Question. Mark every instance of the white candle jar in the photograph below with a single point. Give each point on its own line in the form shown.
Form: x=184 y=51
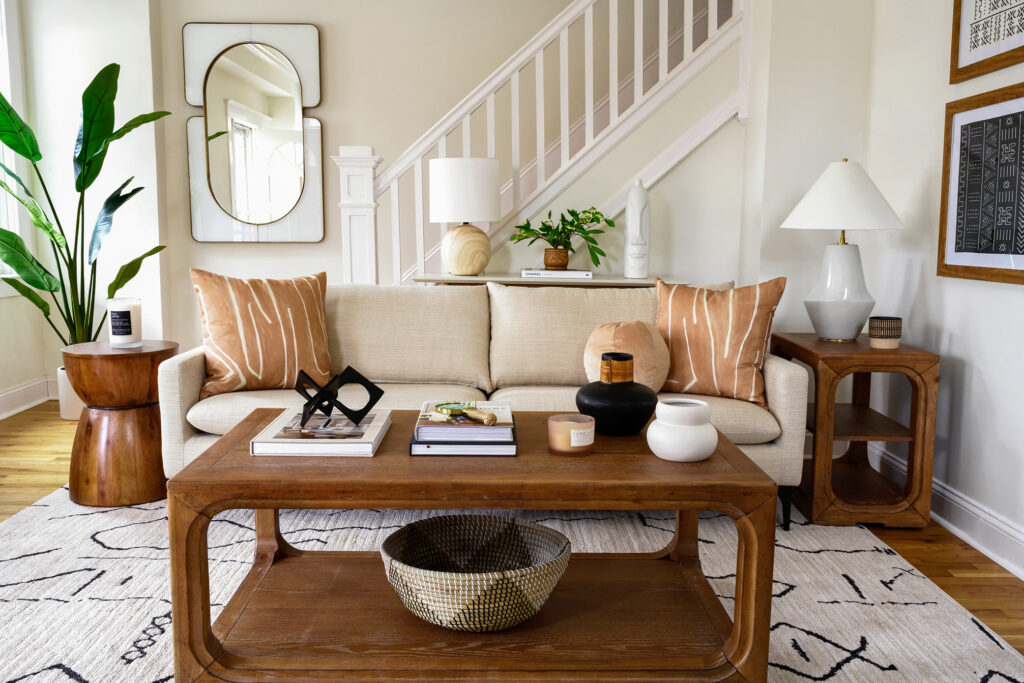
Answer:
x=124 y=317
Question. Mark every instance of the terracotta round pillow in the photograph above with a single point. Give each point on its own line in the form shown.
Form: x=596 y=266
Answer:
x=642 y=339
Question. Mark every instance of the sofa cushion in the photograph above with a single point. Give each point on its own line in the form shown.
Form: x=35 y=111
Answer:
x=742 y=422
x=259 y=333
x=411 y=334
x=218 y=414
x=538 y=334
x=718 y=340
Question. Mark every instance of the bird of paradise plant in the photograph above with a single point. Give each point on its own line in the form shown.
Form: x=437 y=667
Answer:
x=73 y=289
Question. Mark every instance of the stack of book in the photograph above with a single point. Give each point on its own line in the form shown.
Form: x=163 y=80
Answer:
x=335 y=435
x=437 y=433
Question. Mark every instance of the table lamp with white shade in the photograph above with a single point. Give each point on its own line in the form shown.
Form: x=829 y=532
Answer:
x=464 y=190
x=842 y=198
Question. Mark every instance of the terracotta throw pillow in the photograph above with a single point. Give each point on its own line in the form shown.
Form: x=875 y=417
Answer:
x=259 y=333
x=717 y=340
x=640 y=338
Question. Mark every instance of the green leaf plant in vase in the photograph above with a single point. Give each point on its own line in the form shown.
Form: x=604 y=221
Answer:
x=65 y=292
x=559 y=235
x=65 y=289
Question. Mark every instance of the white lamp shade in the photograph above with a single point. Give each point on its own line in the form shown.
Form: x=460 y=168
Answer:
x=843 y=198
x=464 y=190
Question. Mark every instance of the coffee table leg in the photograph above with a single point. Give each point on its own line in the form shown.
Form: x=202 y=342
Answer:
x=194 y=643
x=747 y=645
x=269 y=540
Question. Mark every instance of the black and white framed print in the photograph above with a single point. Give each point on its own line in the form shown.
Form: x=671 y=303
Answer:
x=981 y=219
x=987 y=35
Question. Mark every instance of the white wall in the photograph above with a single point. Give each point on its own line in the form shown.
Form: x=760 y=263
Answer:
x=976 y=327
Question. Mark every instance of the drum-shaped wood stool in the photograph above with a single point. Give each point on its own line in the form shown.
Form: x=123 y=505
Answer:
x=116 y=456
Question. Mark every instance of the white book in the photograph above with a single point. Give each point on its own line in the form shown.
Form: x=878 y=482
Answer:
x=328 y=436
x=541 y=274
x=435 y=426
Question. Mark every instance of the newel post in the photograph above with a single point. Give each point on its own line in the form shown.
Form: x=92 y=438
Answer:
x=357 y=165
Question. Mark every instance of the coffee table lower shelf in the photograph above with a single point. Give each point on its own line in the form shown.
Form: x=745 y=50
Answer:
x=332 y=616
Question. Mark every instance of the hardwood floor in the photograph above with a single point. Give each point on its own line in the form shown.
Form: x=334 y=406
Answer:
x=35 y=448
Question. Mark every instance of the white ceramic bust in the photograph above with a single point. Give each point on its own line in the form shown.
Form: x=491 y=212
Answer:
x=638 y=232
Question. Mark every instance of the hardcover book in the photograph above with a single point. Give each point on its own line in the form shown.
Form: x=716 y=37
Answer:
x=436 y=426
x=501 y=448
x=329 y=436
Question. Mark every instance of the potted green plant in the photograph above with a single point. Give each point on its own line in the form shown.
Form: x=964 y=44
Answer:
x=69 y=280
x=559 y=235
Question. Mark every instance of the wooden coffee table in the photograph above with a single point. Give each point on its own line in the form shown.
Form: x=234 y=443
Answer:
x=329 y=616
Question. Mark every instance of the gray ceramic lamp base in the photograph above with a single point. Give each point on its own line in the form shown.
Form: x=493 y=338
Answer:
x=839 y=304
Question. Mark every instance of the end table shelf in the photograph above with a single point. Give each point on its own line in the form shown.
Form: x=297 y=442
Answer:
x=847 y=490
x=860 y=423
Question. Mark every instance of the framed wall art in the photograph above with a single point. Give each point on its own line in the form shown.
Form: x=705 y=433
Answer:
x=981 y=217
x=987 y=35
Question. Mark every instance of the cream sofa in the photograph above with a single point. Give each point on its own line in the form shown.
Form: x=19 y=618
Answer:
x=521 y=344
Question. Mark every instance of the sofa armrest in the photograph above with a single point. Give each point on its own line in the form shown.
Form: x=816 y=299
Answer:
x=179 y=380
x=785 y=388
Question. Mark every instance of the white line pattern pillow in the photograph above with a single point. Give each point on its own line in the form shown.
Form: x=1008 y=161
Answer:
x=717 y=340
x=259 y=333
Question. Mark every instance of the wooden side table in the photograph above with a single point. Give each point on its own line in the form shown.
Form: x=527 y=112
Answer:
x=847 y=490
x=116 y=459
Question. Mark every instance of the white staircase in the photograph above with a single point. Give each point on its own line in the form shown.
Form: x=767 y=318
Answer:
x=410 y=245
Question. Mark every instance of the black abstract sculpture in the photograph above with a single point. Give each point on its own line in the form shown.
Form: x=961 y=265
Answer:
x=324 y=398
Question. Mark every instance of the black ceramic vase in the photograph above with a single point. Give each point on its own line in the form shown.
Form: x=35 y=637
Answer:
x=619 y=406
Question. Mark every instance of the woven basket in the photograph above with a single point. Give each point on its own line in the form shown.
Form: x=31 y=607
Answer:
x=475 y=572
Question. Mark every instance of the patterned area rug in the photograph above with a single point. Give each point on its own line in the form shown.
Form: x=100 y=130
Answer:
x=84 y=592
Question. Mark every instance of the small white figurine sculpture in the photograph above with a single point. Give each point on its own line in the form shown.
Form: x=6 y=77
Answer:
x=638 y=232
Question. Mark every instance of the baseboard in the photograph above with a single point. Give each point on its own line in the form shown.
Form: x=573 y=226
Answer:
x=23 y=397
x=985 y=529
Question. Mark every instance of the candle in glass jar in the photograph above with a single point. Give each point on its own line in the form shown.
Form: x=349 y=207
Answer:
x=125 y=316
x=570 y=434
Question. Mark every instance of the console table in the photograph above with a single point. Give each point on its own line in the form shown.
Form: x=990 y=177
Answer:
x=116 y=459
x=517 y=279
x=847 y=490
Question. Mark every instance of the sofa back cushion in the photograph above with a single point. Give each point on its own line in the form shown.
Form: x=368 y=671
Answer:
x=538 y=334
x=410 y=334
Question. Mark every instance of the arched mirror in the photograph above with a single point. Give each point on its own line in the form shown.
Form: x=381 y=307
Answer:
x=254 y=143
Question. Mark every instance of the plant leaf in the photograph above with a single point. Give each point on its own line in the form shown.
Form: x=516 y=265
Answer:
x=17 y=179
x=29 y=294
x=14 y=253
x=105 y=219
x=130 y=270
x=16 y=134
x=134 y=123
x=39 y=218
x=211 y=138
x=97 y=125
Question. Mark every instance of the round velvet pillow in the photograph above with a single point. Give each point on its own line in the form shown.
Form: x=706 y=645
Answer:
x=650 y=353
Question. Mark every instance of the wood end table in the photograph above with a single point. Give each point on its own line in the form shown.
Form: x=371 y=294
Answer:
x=330 y=616
x=847 y=490
x=116 y=457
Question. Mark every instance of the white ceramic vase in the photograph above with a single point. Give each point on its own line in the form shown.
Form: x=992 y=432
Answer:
x=70 y=405
x=638 y=232
x=682 y=430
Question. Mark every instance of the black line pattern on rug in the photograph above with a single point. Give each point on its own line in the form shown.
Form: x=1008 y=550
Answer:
x=852 y=655
x=854 y=586
x=981 y=627
x=157 y=627
x=991 y=676
x=22 y=557
x=68 y=672
x=841 y=551
x=888 y=583
x=90 y=581
x=45 y=578
x=786 y=590
x=105 y=511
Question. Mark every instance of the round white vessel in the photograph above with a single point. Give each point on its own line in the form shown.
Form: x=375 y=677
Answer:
x=682 y=430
